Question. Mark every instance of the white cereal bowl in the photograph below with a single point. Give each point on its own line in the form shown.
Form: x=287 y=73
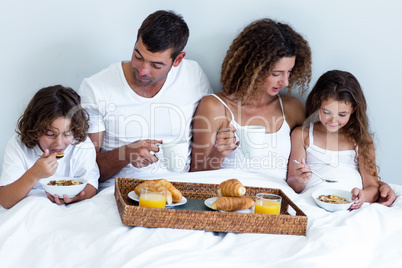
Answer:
x=333 y=207
x=70 y=191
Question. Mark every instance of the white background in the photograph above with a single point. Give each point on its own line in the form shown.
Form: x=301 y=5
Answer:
x=47 y=42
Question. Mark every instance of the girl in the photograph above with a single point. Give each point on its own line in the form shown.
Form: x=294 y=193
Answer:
x=266 y=57
x=338 y=139
x=53 y=122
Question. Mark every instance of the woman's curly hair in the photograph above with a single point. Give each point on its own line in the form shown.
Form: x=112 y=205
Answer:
x=343 y=86
x=254 y=53
x=47 y=105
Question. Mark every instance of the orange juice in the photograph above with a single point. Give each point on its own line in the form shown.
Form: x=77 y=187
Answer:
x=267 y=207
x=153 y=200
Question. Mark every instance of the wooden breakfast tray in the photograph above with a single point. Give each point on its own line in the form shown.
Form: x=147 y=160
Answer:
x=199 y=217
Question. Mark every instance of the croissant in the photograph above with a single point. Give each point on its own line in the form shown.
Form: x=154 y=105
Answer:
x=232 y=187
x=155 y=186
x=226 y=203
x=176 y=194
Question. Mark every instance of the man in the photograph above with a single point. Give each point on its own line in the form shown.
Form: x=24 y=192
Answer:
x=136 y=105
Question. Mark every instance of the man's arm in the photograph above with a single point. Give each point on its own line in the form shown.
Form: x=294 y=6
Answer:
x=136 y=153
x=109 y=163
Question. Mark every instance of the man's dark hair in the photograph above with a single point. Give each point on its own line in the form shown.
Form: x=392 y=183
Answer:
x=163 y=30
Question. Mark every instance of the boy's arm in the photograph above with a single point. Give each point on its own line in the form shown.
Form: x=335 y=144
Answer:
x=14 y=192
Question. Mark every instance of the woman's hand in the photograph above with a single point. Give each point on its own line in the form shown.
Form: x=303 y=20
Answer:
x=302 y=172
x=226 y=140
x=357 y=193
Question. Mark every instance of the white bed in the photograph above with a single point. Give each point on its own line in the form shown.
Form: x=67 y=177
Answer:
x=38 y=233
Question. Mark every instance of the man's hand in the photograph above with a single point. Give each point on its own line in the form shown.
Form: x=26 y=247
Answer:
x=387 y=195
x=139 y=152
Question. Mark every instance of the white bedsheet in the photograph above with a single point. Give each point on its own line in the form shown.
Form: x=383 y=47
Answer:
x=38 y=233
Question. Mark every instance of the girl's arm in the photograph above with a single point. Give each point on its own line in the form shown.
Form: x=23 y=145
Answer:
x=14 y=192
x=370 y=184
x=298 y=175
x=213 y=138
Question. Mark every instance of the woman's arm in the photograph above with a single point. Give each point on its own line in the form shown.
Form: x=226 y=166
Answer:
x=213 y=138
x=294 y=111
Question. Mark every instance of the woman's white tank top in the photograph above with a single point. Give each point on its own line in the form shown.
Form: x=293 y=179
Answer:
x=274 y=161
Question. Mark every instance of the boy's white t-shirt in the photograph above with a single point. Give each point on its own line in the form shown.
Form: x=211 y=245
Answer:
x=126 y=117
x=79 y=161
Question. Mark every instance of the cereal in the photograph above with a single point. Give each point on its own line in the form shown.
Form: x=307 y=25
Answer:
x=64 y=182
x=333 y=199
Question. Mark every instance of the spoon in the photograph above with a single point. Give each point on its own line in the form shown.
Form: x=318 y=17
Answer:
x=317 y=174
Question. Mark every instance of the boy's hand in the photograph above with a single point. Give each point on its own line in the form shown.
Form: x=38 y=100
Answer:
x=64 y=199
x=45 y=166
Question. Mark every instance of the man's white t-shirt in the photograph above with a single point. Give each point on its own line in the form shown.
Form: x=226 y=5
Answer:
x=126 y=117
x=79 y=161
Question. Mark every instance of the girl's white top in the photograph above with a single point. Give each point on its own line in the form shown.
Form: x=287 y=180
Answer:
x=336 y=165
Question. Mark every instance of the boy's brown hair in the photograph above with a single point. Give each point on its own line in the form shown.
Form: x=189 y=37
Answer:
x=47 y=105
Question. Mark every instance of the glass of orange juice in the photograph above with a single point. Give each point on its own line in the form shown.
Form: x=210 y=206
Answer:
x=151 y=199
x=267 y=203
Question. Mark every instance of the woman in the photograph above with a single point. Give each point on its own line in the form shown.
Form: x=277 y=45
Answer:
x=264 y=58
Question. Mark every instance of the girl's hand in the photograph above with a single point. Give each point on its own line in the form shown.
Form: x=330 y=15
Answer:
x=303 y=172
x=65 y=200
x=45 y=166
x=357 y=193
x=226 y=140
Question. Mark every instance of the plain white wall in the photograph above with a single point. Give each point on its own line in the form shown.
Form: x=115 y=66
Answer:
x=47 y=42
